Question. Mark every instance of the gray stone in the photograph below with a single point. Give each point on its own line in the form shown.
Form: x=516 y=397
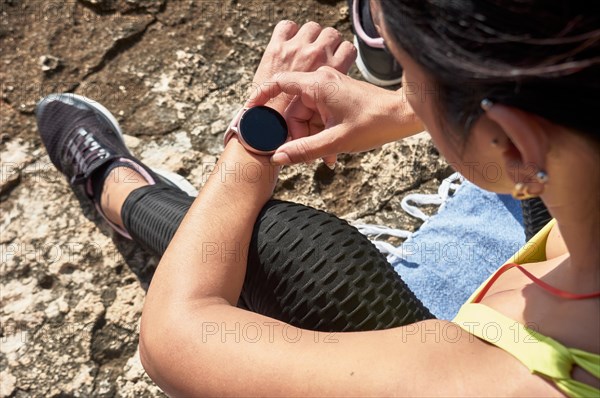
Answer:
x=49 y=63
x=7 y=383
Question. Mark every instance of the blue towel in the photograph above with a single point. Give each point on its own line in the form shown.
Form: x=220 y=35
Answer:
x=473 y=234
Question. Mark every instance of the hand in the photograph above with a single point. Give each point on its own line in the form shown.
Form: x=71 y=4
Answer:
x=337 y=114
x=300 y=49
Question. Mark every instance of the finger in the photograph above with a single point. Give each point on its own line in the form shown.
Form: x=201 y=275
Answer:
x=330 y=161
x=308 y=148
x=344 y=57
x=309 y=32
x=261 y=93
x=284 y=30
x=297 y=115
x=297 y=128
x=315 y=126
x=329 y=39
x=300 y=84
x=291 y=83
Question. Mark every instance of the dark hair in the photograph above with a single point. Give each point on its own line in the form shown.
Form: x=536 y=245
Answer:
x=541 y=56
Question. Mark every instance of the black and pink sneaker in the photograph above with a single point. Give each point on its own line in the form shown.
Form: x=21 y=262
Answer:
x=85 y=142
x=374 y=61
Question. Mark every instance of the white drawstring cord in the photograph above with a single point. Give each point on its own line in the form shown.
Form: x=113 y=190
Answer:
x=418 y=199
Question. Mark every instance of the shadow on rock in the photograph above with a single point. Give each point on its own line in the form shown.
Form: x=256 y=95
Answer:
x=140 y=262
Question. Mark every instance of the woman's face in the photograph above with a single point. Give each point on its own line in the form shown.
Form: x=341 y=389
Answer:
x=476 y=159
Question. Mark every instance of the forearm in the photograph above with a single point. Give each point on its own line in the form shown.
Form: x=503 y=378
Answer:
x=207 y=256
x=406 y=121
x=199 y=278
x=410 y=117
x=389 y=119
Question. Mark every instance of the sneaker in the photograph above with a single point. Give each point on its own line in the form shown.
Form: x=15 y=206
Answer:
x=374 y=61
x=85 y=142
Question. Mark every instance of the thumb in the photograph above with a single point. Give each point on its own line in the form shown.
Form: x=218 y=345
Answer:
x=306 y=149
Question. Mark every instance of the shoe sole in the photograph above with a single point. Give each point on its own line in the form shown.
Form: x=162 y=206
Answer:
x=364 y=71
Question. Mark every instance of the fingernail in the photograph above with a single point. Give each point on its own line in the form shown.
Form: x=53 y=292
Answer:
x=280 y=159
x=331 y=165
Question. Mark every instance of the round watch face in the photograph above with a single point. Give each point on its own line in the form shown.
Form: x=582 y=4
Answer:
x=263 y=128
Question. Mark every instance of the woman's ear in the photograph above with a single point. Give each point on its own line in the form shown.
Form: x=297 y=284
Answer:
x=524 y=143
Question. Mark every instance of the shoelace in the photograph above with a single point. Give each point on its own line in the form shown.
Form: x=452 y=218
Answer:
x=84 y=150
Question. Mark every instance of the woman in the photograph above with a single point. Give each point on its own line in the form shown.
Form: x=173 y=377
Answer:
x=507 y=57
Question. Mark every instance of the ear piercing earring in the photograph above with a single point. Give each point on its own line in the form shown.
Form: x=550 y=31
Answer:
x=541 y=176
x=521 y=190
x=486 y=104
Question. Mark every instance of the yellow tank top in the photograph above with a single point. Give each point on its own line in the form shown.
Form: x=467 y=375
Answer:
x=541 y=354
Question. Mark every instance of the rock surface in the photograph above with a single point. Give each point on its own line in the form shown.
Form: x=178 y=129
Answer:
x=173 y=73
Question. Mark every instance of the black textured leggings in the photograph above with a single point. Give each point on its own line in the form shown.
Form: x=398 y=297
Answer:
x=305 y=267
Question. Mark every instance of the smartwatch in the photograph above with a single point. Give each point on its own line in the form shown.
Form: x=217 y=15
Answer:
x=260 y=129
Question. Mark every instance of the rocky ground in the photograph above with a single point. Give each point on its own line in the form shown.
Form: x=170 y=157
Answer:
x=173 y=73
